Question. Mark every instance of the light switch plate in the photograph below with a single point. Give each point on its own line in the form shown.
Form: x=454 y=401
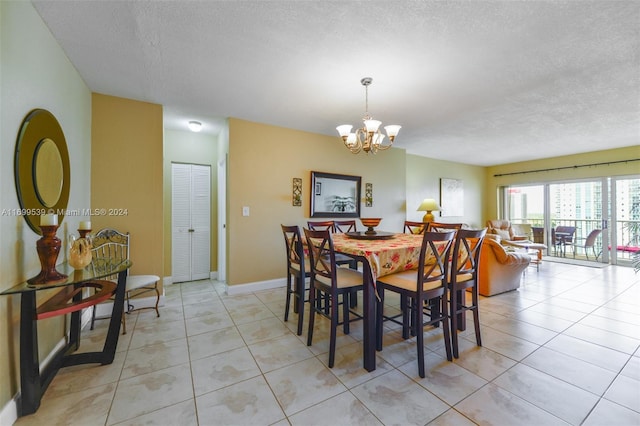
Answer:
x=245 y=211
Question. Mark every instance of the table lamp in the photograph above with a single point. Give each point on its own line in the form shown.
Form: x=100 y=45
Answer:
x=428 y=205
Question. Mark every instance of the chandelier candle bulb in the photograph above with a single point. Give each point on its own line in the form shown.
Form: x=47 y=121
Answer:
x=85 y=225
x=49 y=219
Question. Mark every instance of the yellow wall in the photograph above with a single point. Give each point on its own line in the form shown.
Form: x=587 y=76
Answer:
x=126 y=173
x=263 y=160
x=194 y=148
x=611 y=155
x=423 y=181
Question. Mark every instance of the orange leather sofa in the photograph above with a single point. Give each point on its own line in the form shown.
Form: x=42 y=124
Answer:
x=500 y=270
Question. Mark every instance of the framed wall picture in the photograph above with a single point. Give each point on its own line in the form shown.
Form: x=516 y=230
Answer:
x=451 y=197
x=335 y=195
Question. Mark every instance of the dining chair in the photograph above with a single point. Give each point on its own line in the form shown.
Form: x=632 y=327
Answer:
x=322 y=225
x=111 y=244
x=417 y=286
x=414 y=227
x=330 y=280
x=443 y=227
x=298 y=269
x=589 y=243
x=562 y=237
x=462 y=276
x=330 y=225
x=345 y=226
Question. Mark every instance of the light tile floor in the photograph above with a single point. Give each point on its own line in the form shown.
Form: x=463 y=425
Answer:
x=563 y=349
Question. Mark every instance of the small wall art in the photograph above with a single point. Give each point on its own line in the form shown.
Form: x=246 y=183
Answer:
x=368 y=194
x=296 y=199
x=451 y=197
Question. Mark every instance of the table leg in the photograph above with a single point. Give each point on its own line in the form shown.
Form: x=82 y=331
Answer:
x=369 y=321
x=109 y=349
x=30 y=384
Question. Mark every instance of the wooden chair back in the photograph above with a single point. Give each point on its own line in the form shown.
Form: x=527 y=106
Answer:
x=322 y=225
x=294 y=248
x=321 y=256
x=434 y=257
x=466 y=255
x=414 y=227
x=443 y=227
x=345 y=226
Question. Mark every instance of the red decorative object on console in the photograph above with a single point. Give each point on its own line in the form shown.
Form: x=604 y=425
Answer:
x=48 y=248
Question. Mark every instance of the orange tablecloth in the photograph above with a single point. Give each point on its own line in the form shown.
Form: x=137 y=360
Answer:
x=399 y=253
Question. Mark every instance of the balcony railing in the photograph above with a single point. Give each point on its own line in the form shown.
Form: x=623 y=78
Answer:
x=627 y=233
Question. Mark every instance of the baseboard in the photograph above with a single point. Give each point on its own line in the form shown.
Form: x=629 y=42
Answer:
x=213 y=275
x=233 y=290
x=167 y=281
x=9 y=413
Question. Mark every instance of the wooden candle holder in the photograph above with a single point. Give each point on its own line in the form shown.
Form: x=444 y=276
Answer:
x=48 y=248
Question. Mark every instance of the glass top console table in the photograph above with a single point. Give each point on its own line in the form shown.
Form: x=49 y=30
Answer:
x=71 y=299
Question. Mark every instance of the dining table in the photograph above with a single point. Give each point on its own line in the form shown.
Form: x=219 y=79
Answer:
x=379 y=256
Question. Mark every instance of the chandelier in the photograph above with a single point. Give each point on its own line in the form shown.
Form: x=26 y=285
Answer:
x=368 y=138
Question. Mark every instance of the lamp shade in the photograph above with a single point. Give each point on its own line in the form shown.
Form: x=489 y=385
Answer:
x=428 y=205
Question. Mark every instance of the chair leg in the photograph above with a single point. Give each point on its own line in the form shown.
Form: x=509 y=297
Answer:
x=476 y=315
x=345 y=311
x=286 y=306
x=418 y=313
x=354 y=294
x=157 y=301
x=453 y=318
x=312 y=314
x=408 y=321
x=379 y=317
x=334 y=328
x=124 y=323
x=353 y=299
x=445 y=326
x=299 y=304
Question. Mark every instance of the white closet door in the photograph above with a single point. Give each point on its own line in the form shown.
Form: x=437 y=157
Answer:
x=200 y=222
x=191 y=230
x=180 y=222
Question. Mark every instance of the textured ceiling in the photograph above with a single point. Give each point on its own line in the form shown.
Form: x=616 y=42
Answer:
x=479 y=82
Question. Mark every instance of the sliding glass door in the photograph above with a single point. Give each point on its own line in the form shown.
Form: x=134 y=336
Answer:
x=578 y=207
x=625 y=217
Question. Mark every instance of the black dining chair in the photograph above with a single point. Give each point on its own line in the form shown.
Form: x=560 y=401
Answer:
x=298 y=268
x=333 y=282
x=345 y=226
x=463 y=275
x=417 y=286
x=411 y=227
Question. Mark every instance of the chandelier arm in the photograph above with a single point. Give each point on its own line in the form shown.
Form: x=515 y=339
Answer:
x=353 y=148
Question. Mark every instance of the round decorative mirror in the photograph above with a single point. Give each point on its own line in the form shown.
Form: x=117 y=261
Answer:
x=41 y=168
x=48 y=170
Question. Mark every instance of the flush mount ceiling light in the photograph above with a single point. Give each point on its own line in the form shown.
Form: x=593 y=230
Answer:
x=368 y=138
x=195 y=126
